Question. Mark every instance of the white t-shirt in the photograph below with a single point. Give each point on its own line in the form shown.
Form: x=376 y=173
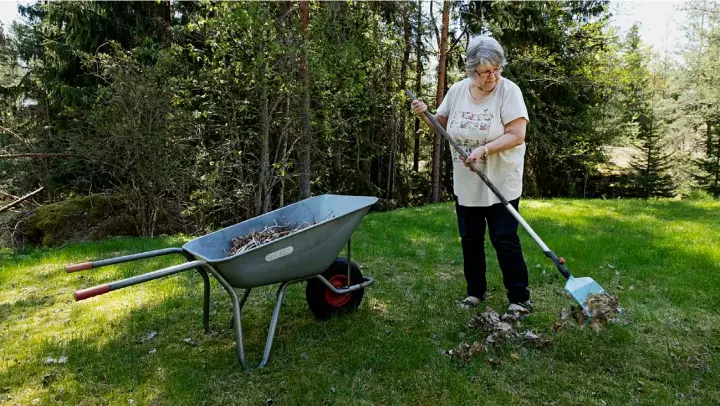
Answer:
x=472 y=124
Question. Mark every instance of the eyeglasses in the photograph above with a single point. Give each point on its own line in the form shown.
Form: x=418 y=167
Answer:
x=486 y=73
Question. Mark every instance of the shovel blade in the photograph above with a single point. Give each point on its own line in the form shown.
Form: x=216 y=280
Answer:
x=581 y=288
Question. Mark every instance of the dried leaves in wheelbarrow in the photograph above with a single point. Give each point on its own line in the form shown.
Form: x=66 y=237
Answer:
x=264 y=236
x=268 y=234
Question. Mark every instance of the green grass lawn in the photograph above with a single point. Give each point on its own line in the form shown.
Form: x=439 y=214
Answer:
x=662 y=258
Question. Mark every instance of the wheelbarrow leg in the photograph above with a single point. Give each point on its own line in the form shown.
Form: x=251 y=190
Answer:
x=206 y=300
x=243 y=299
x=236 y=313
x=273 y=322
x=206 y=293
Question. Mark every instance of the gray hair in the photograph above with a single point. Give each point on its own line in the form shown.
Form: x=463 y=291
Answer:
x=484 y=50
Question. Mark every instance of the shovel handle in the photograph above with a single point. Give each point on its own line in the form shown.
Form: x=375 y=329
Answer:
x=559 y=263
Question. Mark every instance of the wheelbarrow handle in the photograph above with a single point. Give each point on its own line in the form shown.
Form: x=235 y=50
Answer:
x=126 y=258
x=79 y=267
x=123 y=283
x=559 y=262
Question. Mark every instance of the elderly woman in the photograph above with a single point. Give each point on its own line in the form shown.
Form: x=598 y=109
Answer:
x=485 y=114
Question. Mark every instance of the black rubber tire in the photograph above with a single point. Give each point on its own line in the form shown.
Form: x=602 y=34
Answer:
x=315 y=291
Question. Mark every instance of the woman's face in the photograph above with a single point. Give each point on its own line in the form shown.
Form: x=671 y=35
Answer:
x=487 y=76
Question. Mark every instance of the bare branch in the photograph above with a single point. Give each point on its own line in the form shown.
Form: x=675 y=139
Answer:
x=34 y=155
x=20 y=200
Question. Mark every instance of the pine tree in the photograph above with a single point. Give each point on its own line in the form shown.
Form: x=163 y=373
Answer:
x=703 y=61
x=651 y=165
x=708 y=177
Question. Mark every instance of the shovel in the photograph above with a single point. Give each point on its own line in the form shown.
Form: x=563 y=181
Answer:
x=578 y=288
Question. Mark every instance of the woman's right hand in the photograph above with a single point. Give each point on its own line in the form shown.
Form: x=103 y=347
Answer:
x=418 y=107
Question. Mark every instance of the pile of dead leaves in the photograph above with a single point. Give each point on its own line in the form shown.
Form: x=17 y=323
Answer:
x=506 y=329
x=257 y=238
x=496 y=330
x=602 y=307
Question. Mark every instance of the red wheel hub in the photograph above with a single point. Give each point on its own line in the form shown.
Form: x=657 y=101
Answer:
x=331 y=298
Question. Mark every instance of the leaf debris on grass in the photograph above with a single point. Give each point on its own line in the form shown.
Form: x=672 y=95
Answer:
x=465 y=351
x=51 y=361
x=601 y=306
x=496 y=330
x=148 y=337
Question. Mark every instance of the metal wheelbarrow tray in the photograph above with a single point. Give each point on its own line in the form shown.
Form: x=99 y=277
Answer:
x=335 y=286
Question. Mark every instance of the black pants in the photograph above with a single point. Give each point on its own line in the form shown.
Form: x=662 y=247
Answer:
x=502 y=227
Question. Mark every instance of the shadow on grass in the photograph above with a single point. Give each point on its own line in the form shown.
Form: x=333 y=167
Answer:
x=111 y=361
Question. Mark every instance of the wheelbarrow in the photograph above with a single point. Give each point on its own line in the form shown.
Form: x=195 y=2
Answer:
x=335 y=286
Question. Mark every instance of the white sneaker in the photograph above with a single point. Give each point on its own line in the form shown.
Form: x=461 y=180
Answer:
x=522 y=307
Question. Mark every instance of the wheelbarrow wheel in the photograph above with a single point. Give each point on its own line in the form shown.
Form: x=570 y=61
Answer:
x=326 y=304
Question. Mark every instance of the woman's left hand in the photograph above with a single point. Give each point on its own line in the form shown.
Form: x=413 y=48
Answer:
x=477 y=156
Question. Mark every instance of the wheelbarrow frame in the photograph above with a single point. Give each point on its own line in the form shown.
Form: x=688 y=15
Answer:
x=204 y=267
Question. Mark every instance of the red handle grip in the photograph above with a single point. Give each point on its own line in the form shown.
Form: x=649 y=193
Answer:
x=90 y=292
x=79 y=267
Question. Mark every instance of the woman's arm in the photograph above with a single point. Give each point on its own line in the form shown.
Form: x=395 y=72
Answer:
x=442 y=120
x=514 y=136
x=418 y=107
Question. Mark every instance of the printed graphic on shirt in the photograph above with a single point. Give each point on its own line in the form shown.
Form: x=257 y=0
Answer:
x=474 y=127
x=473 y=121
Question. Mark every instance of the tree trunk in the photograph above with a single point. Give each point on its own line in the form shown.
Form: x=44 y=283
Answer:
x=390 y=89
x=264 y=181
x=716 y=186
x=418 y=86
x=283 y=157
x=391 y=159
x=284 y=17
x=166 y=13
x=403 y=73
x=708 y=141
x=397 y=180
x=306 y=143
x=446 y=154
x=437 y=142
